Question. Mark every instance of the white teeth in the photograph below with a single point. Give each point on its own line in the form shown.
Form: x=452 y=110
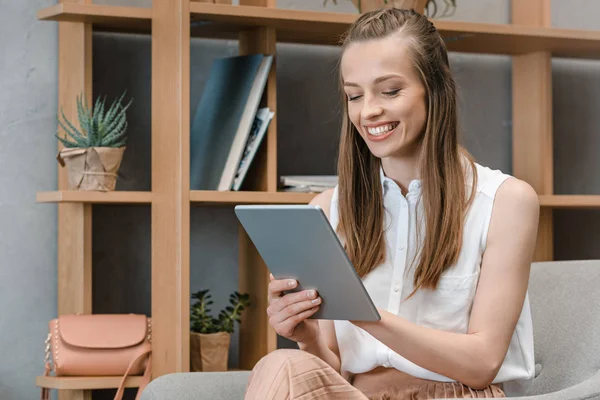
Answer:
x=380 y=130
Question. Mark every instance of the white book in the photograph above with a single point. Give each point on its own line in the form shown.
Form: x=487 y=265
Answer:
x=259 y=128
x=308 y=180
x=241 y=136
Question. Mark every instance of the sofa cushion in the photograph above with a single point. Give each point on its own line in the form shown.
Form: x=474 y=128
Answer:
x=565 y=308
x=198 y=386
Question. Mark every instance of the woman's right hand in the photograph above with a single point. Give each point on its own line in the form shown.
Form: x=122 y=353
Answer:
x=288 y=313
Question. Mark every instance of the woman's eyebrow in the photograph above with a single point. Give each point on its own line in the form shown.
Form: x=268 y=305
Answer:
x=376 y=81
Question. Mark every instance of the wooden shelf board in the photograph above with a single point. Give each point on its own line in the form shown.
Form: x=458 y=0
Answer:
x=86 y=382
x=103 y=17
x=73 y=196
x=232 y=197
x=570 y=201
x=315 y=27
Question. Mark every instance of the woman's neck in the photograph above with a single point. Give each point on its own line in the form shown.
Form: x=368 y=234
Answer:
x=401 y=170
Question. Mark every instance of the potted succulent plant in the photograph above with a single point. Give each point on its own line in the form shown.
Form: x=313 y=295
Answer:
x=209 y=336
x=93 y=153
x=428 y=7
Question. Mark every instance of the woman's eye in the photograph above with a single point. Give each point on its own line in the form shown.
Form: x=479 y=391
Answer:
x=392 y=92
x=353 y=98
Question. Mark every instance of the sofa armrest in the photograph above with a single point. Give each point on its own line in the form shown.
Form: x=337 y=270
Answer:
x=586 y=390
x=198 y=386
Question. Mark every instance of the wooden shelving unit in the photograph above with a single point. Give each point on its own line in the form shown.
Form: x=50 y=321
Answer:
x=325 y=28
x=259 y=26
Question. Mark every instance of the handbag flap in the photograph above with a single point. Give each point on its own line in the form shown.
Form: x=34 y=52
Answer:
x=103 y=331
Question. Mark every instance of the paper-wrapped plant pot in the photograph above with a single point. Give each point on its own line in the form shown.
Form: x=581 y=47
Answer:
x=209 y=351
x=92 y=168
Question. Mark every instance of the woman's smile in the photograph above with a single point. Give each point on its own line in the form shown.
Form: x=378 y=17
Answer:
x=379 y=132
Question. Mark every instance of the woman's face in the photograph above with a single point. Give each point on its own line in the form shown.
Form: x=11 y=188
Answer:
x=386 y=99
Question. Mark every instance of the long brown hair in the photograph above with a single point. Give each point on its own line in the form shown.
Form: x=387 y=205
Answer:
x=444 y=192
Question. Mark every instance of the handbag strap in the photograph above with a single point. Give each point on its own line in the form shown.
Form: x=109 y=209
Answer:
x=145 y=378
x=45 y=394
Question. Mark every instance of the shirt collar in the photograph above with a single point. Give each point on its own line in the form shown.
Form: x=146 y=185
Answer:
x=388 y=183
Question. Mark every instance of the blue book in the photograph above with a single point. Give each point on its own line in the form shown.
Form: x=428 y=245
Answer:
x=223 y=119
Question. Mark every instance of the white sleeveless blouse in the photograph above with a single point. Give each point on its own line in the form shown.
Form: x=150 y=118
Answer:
x=449 y=307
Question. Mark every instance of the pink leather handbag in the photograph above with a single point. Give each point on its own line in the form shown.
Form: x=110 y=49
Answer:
x=100 y=345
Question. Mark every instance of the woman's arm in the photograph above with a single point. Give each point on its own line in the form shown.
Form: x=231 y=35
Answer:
x=474 y=358
x=326 y=346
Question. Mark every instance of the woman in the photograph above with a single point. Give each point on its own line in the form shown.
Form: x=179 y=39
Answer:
x=443 y=245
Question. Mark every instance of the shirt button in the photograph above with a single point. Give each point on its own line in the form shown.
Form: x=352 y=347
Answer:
x=397 y=288
x=401 y=248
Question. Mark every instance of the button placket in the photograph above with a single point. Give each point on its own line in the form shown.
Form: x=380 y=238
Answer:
x=400 y=256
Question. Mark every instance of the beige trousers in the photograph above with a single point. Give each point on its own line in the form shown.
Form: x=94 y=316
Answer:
x=298 y=375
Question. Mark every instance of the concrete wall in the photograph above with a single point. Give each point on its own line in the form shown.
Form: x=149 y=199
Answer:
x=308 y=129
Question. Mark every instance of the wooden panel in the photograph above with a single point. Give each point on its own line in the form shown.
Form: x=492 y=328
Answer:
x=232 y=197
x=95 y=382
x=544 y=249
x=259 y=3
x=532 y=13
x=532 y=119
x=213 y=1
x=74 y=230
x=170 y=186
x=75 y=259
x=71 y=196
x=570 y=201
x=257 y=337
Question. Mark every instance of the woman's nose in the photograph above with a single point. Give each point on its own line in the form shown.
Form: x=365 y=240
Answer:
x=371 y=109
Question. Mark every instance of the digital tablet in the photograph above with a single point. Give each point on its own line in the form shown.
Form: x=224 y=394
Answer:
x=297 y=241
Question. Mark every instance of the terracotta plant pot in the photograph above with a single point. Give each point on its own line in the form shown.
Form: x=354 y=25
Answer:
x=209 y=352
x=370 y=5
x=92 y=168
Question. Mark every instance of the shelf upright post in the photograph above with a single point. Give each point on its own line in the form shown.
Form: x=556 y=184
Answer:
x=74 y=242
x=257 y=337
x=532 y=118
x=170 y=186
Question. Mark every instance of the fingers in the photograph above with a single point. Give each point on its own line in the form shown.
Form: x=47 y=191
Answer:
x=287 y=327
x=288 y=308
x=291 y=298
x=277 y=286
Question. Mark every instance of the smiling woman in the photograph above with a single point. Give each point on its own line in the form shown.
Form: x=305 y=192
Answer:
x=443 y=244
x=377 y=78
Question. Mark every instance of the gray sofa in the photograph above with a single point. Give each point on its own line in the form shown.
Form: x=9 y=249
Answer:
x=565 y=302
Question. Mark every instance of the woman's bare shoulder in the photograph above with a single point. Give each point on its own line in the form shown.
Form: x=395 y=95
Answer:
x=323 y=200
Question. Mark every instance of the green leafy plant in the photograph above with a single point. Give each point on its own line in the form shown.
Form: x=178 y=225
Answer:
x=97 y=127
x=449 y=7
x=202 y=322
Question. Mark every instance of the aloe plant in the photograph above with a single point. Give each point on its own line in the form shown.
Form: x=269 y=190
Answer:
x=97 y=127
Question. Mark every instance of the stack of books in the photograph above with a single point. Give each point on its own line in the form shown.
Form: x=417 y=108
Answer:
x=307 y=183
x=228 y=125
